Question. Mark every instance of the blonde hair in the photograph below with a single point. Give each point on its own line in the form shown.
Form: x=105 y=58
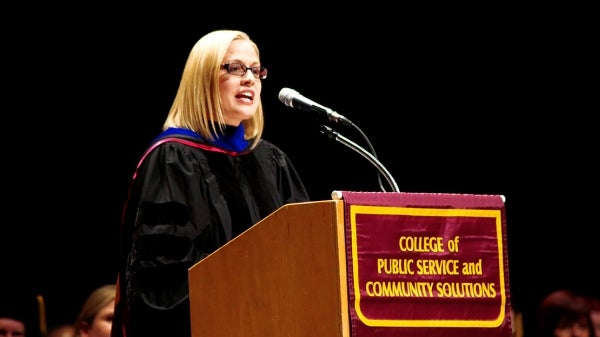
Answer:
x=197 y=104
x=97 y=300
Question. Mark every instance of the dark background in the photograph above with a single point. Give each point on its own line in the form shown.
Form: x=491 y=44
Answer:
x=454 y=100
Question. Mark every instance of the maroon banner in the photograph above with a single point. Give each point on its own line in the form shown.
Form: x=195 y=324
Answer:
x=424 y=264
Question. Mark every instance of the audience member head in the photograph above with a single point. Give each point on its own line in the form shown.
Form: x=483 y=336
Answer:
x=96 y=315
x=11 y=327
x=564 y=314
x=595 y=314
x=20 y=314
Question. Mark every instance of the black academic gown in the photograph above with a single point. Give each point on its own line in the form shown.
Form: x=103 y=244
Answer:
x=187 y=199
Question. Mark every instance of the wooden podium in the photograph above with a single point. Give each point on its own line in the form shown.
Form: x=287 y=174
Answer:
x=285 y=276
x=364 y=264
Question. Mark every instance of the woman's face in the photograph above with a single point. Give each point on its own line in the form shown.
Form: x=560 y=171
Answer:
x=240 y=94
x=101 y=324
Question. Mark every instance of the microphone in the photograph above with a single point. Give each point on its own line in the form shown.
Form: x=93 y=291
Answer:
x=293 y=99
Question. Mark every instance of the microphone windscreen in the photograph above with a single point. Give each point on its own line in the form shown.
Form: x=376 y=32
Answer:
x=286 y=96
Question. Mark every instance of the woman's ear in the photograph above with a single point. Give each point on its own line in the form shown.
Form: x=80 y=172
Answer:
x=84 y=329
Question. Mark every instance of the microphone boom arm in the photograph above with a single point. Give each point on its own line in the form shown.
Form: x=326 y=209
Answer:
x=341 y=139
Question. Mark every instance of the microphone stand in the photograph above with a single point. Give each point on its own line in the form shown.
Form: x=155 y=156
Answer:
x=341 y=139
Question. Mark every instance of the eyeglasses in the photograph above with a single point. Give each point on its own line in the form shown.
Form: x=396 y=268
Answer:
x=241 y=70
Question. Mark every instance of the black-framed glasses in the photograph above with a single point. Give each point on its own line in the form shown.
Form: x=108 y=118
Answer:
x=242 y=69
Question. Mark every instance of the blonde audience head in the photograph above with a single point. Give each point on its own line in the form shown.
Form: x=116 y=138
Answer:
x=96 y=315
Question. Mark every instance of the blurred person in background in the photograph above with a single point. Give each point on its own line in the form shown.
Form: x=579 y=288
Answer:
x=22 y=314
x=96 y=315
x=595 y=313
x=563 y=313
